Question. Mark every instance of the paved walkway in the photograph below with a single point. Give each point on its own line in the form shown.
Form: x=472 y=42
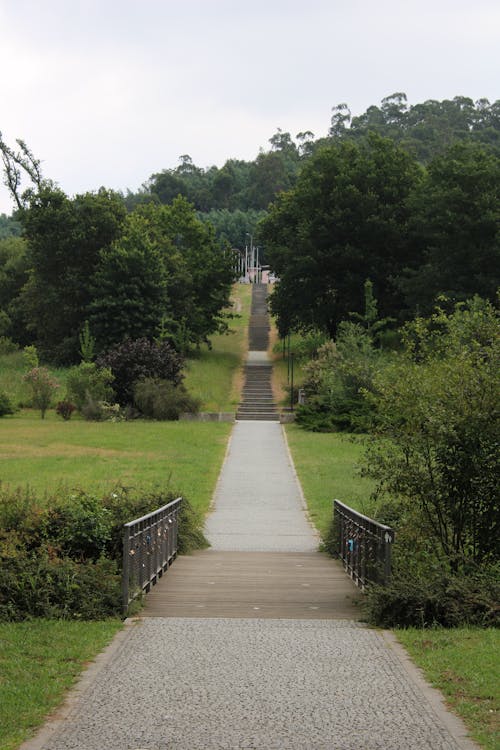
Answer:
x=269 y=679
x=258 y=503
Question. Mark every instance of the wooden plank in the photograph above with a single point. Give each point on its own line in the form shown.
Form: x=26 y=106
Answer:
x=254 y=585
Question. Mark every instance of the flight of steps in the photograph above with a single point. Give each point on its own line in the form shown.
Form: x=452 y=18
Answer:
x=257 y=397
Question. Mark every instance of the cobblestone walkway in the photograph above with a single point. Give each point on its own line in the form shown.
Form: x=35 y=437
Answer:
x=234 y=683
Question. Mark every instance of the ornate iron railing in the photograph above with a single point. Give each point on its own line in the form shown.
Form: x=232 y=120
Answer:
x=149 y=547
x=364 y=545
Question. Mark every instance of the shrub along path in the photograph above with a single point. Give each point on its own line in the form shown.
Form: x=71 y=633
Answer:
x=242 y=648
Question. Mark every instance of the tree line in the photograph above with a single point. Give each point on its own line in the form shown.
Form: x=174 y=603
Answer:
x=156 y=272
x=406 y=196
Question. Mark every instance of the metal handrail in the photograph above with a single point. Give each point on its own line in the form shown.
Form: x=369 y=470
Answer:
x=364 y=545
x=149 y=548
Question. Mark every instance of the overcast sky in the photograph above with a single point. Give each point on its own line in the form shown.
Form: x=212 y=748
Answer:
x=107 y=92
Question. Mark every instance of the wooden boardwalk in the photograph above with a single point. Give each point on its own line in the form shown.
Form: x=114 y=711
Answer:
x=292 y=585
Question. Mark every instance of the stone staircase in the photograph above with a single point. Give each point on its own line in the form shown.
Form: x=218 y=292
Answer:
x=257 y=397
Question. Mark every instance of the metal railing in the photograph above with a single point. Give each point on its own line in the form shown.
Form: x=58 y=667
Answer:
x=149 y=547
x=364 y=545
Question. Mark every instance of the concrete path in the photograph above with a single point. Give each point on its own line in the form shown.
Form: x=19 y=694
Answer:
x=283 y=676
x=258 y=504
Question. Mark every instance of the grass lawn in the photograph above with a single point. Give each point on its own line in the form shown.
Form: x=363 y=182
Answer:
x=39 y=661
x=215 y=375
x=327 y=467
x=183 y=456
x=464 y=664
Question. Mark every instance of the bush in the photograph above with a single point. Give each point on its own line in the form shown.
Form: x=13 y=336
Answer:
x=45 y=585
x=88 y=382
x=62 y=557
x=160 y=399
x=65 y=409
x=135 y=360
x=337 y=380
x=7 y=346
x=437 y=598
x=102 y=411
x=5 y=405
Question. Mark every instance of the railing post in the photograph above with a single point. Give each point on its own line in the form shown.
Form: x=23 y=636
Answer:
x=388 y=540
x=126 y=568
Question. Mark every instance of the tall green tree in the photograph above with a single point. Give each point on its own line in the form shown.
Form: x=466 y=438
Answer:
x=345 y=221
x=129 y=287
x=65 y=239
x=455 y=228
x=198 y=272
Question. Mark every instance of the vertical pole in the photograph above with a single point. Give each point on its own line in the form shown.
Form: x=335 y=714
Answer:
x=387 y=557
x=291 y=386
x=125 y=568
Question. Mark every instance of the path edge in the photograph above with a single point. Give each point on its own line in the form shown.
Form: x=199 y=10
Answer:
x=60 y=715
x=450 y=720
x=211 y=507
x=303 y=501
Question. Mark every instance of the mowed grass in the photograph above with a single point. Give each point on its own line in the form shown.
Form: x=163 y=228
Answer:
x=464 y=664
x=327 y=465
x=215 y=375
x=184 y=457
x=39 y=661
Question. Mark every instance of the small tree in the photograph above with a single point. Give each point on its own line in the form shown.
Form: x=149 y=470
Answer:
x=438 y=410
x=43 y=386
x=87 y=343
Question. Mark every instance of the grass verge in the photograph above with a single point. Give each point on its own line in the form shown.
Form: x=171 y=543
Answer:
x=463 y=664
x=215 y=375
x=327 y=467
x=39 y=661
x=182 y=456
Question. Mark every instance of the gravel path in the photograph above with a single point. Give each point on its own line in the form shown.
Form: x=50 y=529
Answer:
x=190 y=684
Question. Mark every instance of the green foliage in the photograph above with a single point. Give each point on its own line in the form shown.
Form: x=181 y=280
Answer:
x=161 y=399
x=198 y=273
x=7 y=346
x=30 y=357
x=14 y=272
x=129 y=287
x=425 y=129
x=440 y=422
x=5 y=405
x=454 y=229
x=89 y=382
x=435 y=598
x=232 y=227
x=61 y=558
x=65 y=409
x=87 y=343
x=53 y=587
x=336 y=381
x=345 y=221
x=65 y=237
x=42 y=386
x=134 y=360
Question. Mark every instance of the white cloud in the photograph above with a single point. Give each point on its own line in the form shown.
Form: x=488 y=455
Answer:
x=107 y=92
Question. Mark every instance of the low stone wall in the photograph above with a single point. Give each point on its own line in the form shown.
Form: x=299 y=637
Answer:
x=209 y=416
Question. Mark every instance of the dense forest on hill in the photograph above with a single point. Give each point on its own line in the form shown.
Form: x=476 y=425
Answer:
x=405 y=195
x=234 y=196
